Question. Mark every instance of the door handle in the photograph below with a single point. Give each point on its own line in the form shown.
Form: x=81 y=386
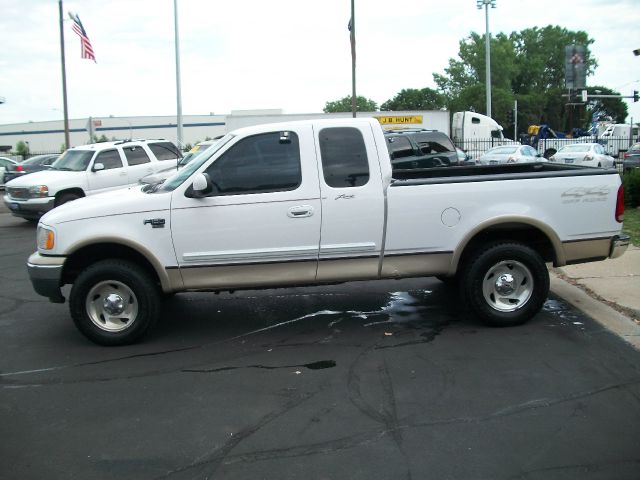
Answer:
x=301 y=211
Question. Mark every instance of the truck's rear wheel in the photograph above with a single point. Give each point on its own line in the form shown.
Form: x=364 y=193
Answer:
x=114 y=302
x=506 y=283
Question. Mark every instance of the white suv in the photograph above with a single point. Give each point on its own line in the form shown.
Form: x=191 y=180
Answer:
x=87 y=170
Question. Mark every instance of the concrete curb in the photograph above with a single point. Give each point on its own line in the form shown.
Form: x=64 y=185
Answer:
x=614 y=321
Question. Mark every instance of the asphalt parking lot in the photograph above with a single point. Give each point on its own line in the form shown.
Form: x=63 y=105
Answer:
x=371 y=380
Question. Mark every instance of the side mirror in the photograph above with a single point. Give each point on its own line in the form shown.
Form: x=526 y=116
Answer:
x=97 y=167
x=201 y=186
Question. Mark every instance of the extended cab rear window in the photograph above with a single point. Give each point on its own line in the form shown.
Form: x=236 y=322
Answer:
x=344 y=157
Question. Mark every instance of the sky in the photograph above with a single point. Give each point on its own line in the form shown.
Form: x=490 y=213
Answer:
x=292 y=55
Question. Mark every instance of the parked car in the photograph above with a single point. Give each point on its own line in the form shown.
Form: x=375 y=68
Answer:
x=5 y=163
x=509 y=154
x=632 y=157
x=414 y=149
x=162 y=175
x=87 y=170
x=587 y=154
x=30 y=165
x=464 y=158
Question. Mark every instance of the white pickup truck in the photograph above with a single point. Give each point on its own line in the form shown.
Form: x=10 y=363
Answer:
x=314 y=202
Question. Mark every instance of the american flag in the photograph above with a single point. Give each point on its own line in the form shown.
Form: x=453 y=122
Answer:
x=86 y=50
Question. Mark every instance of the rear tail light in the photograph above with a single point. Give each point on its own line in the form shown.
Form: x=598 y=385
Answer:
x=588 y=157
x=620 y=205
x=19 y=168
x=511 y=160
x=626 y=155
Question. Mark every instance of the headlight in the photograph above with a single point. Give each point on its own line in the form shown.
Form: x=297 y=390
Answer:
x=46 y=238
x=38 y=191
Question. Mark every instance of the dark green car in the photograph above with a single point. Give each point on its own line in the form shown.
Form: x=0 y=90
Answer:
x=414 y=149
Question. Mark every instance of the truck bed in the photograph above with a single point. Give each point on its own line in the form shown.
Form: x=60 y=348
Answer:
x=484 y=173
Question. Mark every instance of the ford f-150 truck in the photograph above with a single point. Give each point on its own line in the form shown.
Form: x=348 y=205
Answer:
x=317 y=202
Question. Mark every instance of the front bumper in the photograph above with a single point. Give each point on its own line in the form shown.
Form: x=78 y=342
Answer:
x=29 y=208
x=45 y=274
x=619 y=245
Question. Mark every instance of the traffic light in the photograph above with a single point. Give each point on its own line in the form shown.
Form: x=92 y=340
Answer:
x=635 y=96
x=510 y=117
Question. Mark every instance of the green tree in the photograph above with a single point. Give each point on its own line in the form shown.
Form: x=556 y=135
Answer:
x=415 y=99
x=463 y=82
x=613 y=108
x=527 y=66
x=22 y=149
x=363 y=104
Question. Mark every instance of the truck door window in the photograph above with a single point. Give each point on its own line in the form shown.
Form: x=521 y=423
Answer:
x=110 y=159
x=344 y=157
x=258 y=164
x=136 y=156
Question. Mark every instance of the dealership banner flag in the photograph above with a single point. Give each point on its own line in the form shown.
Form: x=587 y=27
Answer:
x=86 y=50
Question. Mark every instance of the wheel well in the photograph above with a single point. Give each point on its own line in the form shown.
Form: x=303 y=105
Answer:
x=512 y=232
x=82 y=258
x=76 y=191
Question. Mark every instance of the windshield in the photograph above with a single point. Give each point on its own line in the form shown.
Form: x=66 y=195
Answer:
x=73 y=160
x=37 y=160
x=575 y=148
x=173 y=182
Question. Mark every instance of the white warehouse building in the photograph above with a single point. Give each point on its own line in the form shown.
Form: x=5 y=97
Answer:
x=48 y=136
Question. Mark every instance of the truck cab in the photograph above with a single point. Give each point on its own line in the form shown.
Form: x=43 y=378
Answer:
x=468 y=125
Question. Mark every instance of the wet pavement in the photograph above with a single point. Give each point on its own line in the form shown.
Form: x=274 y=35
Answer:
x=370 y=380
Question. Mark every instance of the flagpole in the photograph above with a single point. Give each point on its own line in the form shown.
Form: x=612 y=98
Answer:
x=67 y=143
x=353 y=59
x=178 y=94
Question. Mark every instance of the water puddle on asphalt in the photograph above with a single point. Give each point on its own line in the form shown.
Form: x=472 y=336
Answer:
x=563 y=312
x=322 y=364
x=403 y=312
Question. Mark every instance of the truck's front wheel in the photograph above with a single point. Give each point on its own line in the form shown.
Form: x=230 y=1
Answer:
x=114 y=302
x=506 y=283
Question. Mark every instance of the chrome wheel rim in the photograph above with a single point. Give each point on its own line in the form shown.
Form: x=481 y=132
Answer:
x=112 y=306
x=507 y=286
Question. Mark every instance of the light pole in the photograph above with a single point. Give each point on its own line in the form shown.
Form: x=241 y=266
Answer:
x=178 y=92
x=487 y=48
x=67 y=142
x=352 y=39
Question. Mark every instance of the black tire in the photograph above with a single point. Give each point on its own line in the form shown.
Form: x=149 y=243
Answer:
x=549 y=152
x=66 y=197
x=505 y=284
x=132 y=311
